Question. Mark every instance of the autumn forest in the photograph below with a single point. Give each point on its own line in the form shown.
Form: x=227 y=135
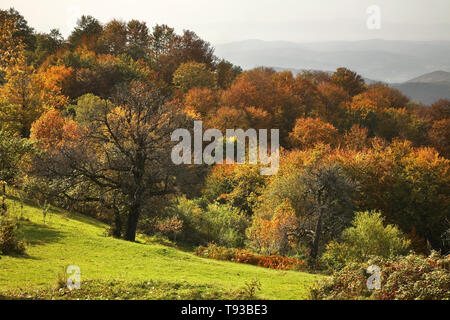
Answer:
x=86 y=124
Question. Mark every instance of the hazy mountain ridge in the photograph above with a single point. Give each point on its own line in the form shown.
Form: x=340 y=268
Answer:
x=432 y=77
x=427 y=88
x=409 y=66
x=383 y=60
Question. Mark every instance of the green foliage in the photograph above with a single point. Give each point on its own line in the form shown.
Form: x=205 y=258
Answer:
x=411 y=277
x=226 y=72
x=237 y=185
x=219 y=223
x=46 y=45
x=322 y=197
x=192 y=75
x=352 y=82
x=9 y=242
x=13 y=151
x=366 y=237
x=88 y=29
x=88 y=108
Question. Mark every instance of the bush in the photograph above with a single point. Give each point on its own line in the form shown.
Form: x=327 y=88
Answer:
x=218 y=223
x=215 y=252
x=248 y=257
x=279 y=235
x=236 y=185
x=411 y=277
x=367 y=237
x=225 y=225
x=9 y=242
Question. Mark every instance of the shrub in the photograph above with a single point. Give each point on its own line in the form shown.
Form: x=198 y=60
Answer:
x=226 y=225
x=251 y=289
x=170 y=226
x=9 y=242
x=215 y=252
x=218 y=223
x=411 y=277
x=277 y=235
x=282 y=263
x=248 y=257
x=366 y=237
x=191 y=214
x=236 y=185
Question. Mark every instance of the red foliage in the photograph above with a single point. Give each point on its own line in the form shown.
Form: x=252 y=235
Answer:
x=248 y=257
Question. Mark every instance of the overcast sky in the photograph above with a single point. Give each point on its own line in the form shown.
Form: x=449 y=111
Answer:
x=220 y=21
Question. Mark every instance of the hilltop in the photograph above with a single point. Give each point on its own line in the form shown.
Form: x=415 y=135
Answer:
x=433 y=77
x=427 y=88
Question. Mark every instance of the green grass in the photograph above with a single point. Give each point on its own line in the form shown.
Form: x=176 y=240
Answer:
x=73 y=239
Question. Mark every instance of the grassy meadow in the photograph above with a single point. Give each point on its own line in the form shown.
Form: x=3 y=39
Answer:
x=106 y=263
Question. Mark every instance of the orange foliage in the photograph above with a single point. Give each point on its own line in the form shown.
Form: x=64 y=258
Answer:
x=439 y=136
x=309 y=132
x=53 y=131
x=50 y=84
x=203 y=101
x=334 y=100
x=385 y=96
x=357 y=138
x=248 y=257
x=253 y=88
x=275 y=235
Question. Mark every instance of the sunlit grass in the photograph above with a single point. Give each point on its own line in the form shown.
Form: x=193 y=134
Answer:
x=73 y=239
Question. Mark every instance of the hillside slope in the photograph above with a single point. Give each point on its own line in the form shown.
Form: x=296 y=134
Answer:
x=433 y=77
x=427 y=93
x=72 y=239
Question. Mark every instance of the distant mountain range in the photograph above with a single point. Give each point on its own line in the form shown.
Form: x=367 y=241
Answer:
x=427 y=88
x=432 y=77
x=407 y=65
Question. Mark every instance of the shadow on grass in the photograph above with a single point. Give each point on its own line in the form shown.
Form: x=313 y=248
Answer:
x=38 y=234
x=24 y=255
x=62 y=213
x=85 y=219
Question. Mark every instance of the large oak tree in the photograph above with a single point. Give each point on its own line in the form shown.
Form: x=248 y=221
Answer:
x=124 y=151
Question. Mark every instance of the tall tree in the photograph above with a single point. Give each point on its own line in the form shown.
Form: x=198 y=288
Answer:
x=193 y=75
x=11 y=46
x=124 y=150
x=352 y=82
x=138 y=37
x=329 y=196
x=22 y=105
x=22 y=30
x=114 y=37
x=87 y=32
x=13 y=150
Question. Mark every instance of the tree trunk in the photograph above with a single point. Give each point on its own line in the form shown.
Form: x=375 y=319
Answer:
x=315 y=244
x=133 y=217
x=117 y=232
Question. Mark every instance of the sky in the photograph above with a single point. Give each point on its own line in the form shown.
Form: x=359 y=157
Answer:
x=222 y=21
